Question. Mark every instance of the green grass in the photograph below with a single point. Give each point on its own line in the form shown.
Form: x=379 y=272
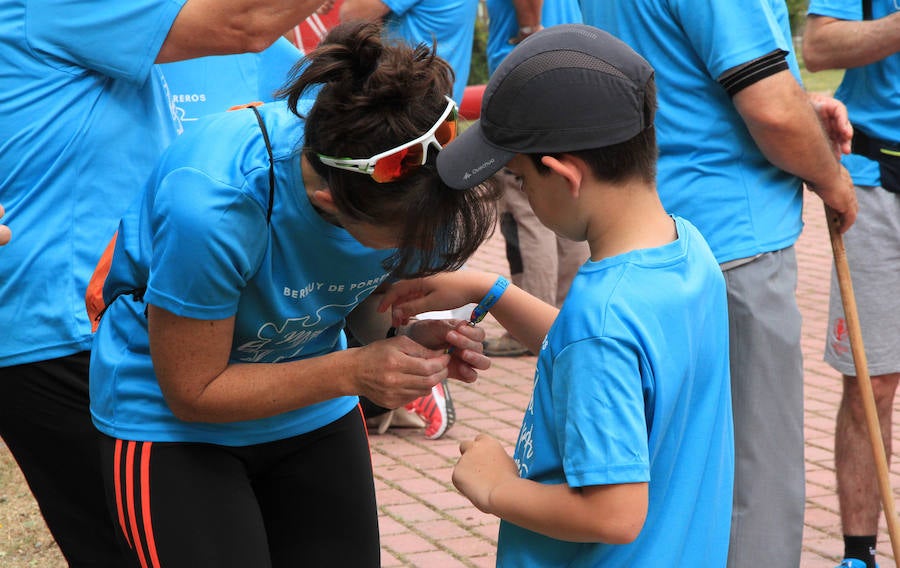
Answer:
x=823 y=81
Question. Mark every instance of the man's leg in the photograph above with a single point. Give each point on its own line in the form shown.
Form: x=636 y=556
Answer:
x=530 y=251
x=873 y=255
x=530 y=246
x=767 y=395
x=571 y=255
x=858 y=492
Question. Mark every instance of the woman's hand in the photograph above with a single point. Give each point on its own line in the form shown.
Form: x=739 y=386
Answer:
x=463 y=342
x=393 y=372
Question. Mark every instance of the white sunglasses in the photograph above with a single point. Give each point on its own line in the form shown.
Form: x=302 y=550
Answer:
x=397 y=162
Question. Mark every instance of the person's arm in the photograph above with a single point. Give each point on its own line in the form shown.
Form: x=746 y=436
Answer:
x=191 y=362
x=528 y=16
x=221 y=27
x=363 y=10
x=5 y=233
x=830 y=43
x=488 y=477
x=527 y=318
x=785 y=126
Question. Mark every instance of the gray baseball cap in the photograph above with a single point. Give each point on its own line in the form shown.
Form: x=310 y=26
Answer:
x=565 y=88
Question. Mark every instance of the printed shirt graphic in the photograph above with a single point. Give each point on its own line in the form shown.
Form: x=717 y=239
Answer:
x=200 y=233
x=871 y=92
x=206 y=85
x=632 y=385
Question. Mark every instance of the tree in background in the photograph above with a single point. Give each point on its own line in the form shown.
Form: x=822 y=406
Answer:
x=478 y=72
x=797 y=10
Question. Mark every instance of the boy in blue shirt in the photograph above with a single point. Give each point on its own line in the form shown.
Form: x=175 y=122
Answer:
x=625 y=455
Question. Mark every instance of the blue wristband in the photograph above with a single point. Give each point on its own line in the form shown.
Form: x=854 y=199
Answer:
x=489 y=300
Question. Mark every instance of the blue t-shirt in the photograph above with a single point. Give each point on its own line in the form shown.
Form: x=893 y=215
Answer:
x=502 y=25
x=871 y=92
x=711 y=171
x=198 y=239
x=450 y=22
x=83 y=119
x=632 y=385
x=206 y=85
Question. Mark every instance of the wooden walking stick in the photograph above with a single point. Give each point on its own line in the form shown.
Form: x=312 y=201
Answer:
x=862 y=376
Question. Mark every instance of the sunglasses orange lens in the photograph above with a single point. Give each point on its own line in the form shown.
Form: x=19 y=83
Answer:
x=397 y=165
x=390 y=167
x=446 y=132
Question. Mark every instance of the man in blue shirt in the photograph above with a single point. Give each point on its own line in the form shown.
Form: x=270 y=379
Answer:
x=837 y=37
x=737 y=137
x=83 y=120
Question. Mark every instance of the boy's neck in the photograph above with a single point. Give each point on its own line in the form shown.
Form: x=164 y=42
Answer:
x=627 y=217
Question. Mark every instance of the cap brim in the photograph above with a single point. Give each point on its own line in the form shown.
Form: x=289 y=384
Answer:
x=470 y=159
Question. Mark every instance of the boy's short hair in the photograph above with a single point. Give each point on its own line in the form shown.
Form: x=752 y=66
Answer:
x=564 y=89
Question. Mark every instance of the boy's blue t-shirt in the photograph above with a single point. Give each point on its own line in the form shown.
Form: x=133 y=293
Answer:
x=503 y=25
x=632 y=385
x=449 y=22
x=83 y=119
x=198 y=239
x=207 y=85
x=711 y=171
x=871 y=92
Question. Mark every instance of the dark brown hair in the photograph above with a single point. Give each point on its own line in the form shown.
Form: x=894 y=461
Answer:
x=374 y=95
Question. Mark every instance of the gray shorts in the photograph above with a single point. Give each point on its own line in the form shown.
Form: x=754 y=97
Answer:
x=767 y=400
x=873 y=254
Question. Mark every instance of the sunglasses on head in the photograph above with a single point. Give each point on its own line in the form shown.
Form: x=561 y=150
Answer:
x=396 y=163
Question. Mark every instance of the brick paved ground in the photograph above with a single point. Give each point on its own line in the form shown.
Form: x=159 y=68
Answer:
x=425 y=522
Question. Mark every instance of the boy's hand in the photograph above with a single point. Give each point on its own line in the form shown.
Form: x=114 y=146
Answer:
x=483 y=466
x=409 y=298
x=462 y=341
x=445 y=291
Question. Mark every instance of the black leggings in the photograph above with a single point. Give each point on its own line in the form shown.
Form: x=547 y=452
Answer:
x=46 y=424
x=302 y=501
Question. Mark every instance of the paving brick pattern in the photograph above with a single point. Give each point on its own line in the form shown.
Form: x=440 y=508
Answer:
x=425 y=522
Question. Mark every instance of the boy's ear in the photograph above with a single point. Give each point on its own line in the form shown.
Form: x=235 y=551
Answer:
x=570 y=168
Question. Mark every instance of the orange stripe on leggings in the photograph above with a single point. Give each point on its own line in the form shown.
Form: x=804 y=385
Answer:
x=145 y=504
x=365 y=426
x=129 y=488
x=117 y=476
